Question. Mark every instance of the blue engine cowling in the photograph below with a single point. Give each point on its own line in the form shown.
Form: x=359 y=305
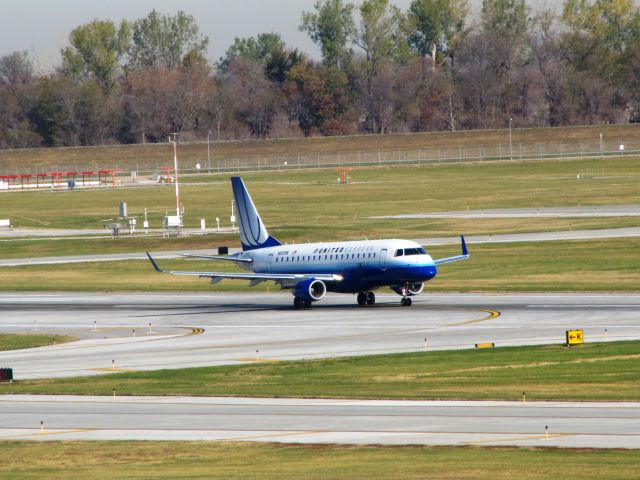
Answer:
x=414 y=289
x=310 y=290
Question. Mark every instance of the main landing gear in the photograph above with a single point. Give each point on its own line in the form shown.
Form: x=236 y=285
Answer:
x=300 y=303
x=366 y=298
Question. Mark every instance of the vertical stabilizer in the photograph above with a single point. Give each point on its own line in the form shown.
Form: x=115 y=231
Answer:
x=253 y=233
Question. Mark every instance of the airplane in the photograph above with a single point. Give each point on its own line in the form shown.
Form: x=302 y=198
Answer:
x=311 y=270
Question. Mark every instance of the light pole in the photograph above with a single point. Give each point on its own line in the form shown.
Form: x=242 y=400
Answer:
x=175 y=163
x=208 y=154
x=510 y=143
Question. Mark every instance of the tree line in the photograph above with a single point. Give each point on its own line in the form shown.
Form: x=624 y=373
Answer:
x=430 y=68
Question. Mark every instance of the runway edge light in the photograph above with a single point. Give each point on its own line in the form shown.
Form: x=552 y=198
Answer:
x=574 y=337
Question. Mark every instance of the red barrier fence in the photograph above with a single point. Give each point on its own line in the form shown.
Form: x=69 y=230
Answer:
x=59 y=180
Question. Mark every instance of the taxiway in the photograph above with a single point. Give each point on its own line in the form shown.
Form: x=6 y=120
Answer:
x=559 y=424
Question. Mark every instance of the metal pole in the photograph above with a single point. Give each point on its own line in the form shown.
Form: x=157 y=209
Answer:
x=208 y=154
x=510 y=144
x=175 y=163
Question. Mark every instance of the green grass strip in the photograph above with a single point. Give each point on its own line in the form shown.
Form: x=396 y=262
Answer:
x=591 y=372
x=609 y=265
x=19 y=341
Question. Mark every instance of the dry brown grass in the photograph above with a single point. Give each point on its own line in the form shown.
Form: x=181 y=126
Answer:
x=232 y=460
x=126 y=157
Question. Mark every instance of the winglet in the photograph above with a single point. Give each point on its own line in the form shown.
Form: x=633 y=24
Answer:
x=463 y=256
x=153 y=262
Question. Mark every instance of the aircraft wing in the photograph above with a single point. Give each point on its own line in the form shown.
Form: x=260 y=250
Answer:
x=457 y=258
x=254 y=277
x=228 y=258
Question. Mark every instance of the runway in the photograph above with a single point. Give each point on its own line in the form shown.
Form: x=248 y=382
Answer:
x=577 y=425
x=158 y=331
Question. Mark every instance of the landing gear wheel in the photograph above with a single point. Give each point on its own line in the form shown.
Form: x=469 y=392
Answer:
x=406 y=302
x=362 y=298
x=371 y=298
x=300 y=303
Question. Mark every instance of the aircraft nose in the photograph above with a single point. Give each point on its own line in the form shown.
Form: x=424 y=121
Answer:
x=428 y=271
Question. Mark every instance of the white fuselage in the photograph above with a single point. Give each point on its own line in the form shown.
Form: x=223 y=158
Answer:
x=364 y=265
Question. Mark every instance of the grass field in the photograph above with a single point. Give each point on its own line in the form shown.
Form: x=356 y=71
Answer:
x=19 y=341
x=591 y=372
x=309 y=204
x=562 y=266
x=200 y=460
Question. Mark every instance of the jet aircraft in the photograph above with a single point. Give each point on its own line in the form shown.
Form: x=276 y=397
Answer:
x=311 y=270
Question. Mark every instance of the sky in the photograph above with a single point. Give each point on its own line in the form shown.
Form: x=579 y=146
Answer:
x=42 y=27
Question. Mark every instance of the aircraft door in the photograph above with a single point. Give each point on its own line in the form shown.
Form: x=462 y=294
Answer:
x=383 y=259
x=269 y=262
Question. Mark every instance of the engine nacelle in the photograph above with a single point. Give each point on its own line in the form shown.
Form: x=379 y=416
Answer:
x=310 y=289
x=414 y=289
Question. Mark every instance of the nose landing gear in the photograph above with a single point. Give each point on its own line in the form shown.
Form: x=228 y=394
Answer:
x=405 y=301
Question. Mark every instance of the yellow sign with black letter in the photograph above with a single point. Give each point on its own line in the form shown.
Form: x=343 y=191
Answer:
x=575 y=337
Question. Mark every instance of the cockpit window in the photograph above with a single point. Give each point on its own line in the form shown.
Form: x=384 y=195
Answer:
x=410 y=251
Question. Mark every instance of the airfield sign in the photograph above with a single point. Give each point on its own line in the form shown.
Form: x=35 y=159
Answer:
x=575 y=337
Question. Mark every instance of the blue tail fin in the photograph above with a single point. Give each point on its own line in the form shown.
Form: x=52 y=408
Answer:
x=253 y=233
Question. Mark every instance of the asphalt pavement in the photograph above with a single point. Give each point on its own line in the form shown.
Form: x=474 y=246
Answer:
x=373 y=422
x=158 y=331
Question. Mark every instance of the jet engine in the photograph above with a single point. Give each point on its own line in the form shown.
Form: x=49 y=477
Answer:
x=310 y=290
x=414 y=289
